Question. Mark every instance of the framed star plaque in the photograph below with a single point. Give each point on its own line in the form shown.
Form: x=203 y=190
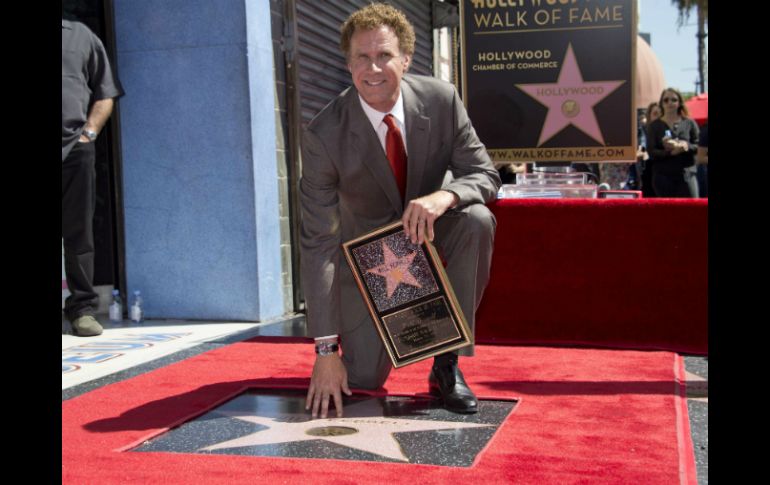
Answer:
x=408 y=295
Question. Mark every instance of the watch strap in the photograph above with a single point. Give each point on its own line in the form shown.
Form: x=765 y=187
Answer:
x=326 y=348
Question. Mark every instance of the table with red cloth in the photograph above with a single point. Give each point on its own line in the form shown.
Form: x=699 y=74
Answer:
x=599 y=272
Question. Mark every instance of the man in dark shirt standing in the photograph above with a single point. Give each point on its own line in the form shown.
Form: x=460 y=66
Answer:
x=88 y=87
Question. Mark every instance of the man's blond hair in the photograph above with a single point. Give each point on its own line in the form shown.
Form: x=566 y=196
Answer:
x=373 y=16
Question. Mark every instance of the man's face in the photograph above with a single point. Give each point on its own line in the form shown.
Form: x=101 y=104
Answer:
x=377 y=66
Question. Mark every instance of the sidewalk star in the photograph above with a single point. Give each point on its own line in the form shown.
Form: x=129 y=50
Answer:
x=366 y=430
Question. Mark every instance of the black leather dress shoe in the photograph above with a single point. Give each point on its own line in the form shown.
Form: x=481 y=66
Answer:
x=447 y=381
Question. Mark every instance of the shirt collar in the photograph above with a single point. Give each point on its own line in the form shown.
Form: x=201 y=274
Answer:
x=375 y=117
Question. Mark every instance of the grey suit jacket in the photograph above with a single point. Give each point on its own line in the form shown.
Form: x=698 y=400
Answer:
x=347 y=188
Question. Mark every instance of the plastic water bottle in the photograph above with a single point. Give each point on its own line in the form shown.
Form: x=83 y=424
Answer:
x=116 y=307
x=137 y=311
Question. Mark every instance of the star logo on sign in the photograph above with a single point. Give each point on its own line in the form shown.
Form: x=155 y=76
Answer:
x=570 y=100
x=365 y=430
x=395 y=270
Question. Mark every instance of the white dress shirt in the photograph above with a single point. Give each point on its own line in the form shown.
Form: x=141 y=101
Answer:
x=375 y=118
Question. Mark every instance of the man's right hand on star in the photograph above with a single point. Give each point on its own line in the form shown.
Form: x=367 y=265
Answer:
x=329 y=380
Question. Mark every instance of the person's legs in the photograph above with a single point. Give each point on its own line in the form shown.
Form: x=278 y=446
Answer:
x=670 y=182
x=365 y=358
x=690 y=176
x=78 y=195
x=648 y=189
x=703 y=181
x=465 y=239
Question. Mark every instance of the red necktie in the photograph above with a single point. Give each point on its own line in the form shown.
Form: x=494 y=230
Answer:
x=394 y=147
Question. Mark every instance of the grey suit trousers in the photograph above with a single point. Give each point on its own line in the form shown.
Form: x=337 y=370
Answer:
x=465 y=239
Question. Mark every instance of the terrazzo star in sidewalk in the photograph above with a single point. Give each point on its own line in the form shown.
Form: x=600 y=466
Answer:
x=570 y=100
x=373 y=434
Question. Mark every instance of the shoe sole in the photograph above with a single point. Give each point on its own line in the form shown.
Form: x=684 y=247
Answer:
x=78 y=334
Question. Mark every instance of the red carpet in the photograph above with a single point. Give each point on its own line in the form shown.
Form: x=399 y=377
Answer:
x=584 y=416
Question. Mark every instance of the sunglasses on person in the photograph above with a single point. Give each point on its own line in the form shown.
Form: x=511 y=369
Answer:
x=670 y=100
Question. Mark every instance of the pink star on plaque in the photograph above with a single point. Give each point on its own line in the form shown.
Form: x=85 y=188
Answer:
x=570 y=100
x=395 y=270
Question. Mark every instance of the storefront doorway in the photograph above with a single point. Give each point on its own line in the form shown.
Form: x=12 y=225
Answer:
x=108 y=218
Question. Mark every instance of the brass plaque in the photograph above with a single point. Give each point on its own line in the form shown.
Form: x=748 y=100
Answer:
x=408 y=295
x=331 y=431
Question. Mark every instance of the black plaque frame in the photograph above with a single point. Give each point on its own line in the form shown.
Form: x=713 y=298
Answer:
x=437 y=308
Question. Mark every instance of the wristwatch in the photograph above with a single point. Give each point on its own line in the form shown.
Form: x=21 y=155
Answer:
x=326 y=348
x=91 y=135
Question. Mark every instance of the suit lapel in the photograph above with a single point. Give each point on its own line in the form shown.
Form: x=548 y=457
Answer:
x=417 y=134
x=369 y=150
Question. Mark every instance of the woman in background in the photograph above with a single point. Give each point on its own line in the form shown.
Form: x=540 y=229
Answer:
x=672 y=142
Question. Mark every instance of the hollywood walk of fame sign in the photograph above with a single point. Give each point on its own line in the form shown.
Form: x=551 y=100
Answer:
x=395 y=429
x=548 y=80
x=408 y=295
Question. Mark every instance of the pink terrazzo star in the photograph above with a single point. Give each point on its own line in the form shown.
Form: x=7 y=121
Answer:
x=395 y=270
x=570 y=100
